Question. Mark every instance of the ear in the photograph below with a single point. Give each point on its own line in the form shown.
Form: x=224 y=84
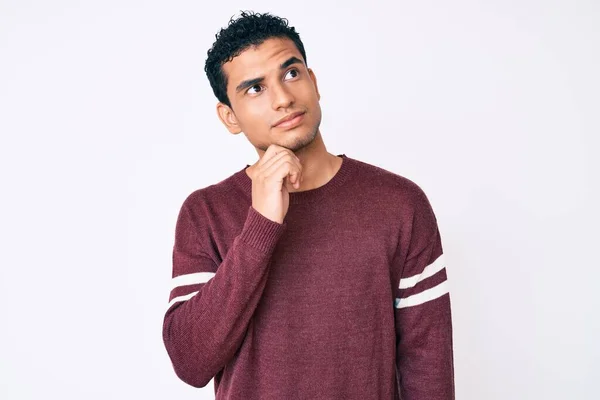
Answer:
x=314 y=79
x=227 y=117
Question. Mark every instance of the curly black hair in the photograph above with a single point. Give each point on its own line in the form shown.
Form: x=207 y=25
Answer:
x=250 y=29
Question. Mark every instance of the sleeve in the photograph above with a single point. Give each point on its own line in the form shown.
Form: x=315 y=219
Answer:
x=424 y=349
x=211 y=305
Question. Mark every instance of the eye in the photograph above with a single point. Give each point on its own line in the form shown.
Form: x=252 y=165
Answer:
x=293 y=70
x=252 y=87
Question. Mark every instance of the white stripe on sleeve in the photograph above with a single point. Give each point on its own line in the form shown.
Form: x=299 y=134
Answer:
x=423 y=297
x=181 y=298
x=429 y=270
x=191 y=279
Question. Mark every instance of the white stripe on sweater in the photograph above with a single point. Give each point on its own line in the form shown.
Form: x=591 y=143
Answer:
x=423 y=297
x=429 y=270
x=186 y=280
x=181 y=298
x=191 y=279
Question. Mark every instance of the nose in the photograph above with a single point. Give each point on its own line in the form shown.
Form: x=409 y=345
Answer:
x=282 y=97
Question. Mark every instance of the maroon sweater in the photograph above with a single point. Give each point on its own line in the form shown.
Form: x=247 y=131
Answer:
x=347 y=299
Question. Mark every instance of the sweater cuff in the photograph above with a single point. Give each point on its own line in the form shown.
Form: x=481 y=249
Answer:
x=260 y=232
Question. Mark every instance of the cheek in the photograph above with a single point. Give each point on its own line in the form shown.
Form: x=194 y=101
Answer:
x=257 y=109
x=309 y=93
x=253 y=114
x=256 y=119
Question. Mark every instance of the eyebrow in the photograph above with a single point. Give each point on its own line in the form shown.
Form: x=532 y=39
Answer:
x=251 y=82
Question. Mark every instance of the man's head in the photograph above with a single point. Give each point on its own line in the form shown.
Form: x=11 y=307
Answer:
x=257 y=70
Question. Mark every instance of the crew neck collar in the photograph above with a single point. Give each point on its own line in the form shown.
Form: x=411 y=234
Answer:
x=305 y=196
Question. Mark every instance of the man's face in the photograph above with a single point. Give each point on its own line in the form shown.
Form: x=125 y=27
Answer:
x=287 y=86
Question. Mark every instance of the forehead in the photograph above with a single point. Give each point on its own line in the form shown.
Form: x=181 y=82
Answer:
x=261 y=60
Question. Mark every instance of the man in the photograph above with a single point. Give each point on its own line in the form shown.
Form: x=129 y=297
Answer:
x=306 y=275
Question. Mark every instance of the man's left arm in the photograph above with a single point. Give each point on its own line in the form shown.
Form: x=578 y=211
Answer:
x=424 y=350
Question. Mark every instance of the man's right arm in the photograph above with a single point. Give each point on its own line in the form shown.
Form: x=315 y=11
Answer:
x=211 y=305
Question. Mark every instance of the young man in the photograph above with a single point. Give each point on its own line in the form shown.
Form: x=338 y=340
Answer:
x=306 y=275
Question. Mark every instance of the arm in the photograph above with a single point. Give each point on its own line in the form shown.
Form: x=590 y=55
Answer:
x=211 y=306
x=424 y=353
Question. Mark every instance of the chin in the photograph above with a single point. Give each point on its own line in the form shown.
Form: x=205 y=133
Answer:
x=300 y=140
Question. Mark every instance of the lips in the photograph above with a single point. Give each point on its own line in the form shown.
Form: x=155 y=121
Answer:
x=290 y=120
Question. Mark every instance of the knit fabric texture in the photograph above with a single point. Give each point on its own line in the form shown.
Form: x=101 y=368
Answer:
x=347 y=299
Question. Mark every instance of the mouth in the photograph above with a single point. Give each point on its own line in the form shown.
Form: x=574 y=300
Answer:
x=294 y=120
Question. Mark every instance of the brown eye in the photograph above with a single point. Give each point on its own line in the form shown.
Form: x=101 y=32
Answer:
x=252 y=87
x=295 y=71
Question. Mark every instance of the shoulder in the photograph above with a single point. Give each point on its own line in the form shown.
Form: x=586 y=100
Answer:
x=212 y=196
x=403 y=198
x=392 y=185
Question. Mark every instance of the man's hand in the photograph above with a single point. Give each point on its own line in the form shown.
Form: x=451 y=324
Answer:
x=274 y=175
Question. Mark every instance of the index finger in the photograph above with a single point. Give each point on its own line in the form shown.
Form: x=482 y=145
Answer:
x=272 y=150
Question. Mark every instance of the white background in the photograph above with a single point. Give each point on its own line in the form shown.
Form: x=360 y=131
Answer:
x=108 y=122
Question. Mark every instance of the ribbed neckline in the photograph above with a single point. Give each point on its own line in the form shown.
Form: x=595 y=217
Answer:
x=242 y=178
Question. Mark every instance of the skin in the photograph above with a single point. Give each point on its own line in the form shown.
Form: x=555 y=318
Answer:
x=258 y=106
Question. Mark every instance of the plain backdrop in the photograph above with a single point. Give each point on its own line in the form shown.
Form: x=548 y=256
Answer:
x=108 y=122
